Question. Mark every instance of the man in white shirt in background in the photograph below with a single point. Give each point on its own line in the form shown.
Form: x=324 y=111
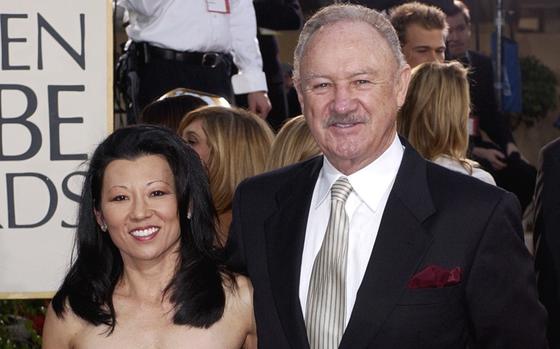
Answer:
x=193 y=44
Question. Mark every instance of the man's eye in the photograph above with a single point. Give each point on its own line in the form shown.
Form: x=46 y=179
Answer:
x=321 y=86
x=362 y=82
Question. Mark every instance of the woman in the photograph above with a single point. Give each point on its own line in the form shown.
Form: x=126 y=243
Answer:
x=435 y=114
x=146 y=273
x=233 y=144
x=294 y=143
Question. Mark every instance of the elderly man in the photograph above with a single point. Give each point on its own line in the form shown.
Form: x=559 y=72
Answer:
x=370 y=246
x=421 y=29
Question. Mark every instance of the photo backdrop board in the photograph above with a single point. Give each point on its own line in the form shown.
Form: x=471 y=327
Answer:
x=55 y=106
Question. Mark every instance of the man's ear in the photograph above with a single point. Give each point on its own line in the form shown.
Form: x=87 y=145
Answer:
x=401 y=84
x=297 y=86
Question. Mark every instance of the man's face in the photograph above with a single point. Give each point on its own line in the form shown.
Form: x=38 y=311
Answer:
x=423 y=45
x=350 y=89
x=459 y=35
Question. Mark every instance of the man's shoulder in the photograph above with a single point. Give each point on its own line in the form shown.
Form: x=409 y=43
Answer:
x=552 y=148
x=279 y=178
x=453 y=185
x=475 y=56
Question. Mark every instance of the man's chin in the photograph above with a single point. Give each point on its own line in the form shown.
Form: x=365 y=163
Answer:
x=459 y=52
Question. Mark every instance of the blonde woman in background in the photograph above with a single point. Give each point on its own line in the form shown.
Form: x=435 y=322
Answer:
x=294 y=143
x=233 y=144
x=435 y=114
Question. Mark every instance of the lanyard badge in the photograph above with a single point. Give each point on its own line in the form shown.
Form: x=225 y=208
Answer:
x=218 y=6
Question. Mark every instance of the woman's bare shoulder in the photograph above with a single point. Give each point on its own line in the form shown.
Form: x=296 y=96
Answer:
x=242 y=290
x=60 y=331
x=239 y=306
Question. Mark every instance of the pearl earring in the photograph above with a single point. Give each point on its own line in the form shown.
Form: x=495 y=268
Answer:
x=104 y=227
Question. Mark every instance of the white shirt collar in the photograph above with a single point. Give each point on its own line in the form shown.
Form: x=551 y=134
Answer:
x=369 y=183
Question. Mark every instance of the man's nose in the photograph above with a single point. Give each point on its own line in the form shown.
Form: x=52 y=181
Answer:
x=344 y=100
x=434 y=56
x=451 y=36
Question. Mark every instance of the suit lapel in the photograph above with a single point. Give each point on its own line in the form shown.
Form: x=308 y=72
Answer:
x=401 y=242
x=285 y=234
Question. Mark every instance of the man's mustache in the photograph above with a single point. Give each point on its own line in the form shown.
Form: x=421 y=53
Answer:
x=351 y=118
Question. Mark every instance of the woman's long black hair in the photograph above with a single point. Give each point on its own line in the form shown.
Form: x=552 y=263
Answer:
x=196 y=289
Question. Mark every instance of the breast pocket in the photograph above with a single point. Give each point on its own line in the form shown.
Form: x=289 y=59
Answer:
x=427 y=296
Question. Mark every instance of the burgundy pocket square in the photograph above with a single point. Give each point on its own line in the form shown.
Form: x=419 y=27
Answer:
x=434 y=276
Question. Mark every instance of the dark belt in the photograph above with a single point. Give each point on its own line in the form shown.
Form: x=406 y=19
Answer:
x=207 y=59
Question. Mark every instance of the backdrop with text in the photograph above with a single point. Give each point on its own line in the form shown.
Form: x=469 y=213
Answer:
x=55 y=106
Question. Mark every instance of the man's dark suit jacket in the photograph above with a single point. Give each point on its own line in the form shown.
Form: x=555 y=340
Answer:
x=433 y=217
x=547 y=235
x=481 y=78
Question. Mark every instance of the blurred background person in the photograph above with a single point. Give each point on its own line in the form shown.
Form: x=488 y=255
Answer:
x=168 y=112
x=146 y=271
x=170 y=108
x=421 y=30
x=193 y=44
x=293 y=143
x=435 y=115
x=273 y=16
x=546 y=237
x=233 y=144
x=294 y=108
x=492 y=141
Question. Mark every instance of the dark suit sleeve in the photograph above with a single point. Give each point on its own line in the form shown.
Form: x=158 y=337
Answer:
x=235 y=251
x=501 y=287
x=492 y=121
x=278 y=14
x=547 y=237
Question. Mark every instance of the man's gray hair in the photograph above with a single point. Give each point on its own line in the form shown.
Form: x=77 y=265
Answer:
x=347 y=13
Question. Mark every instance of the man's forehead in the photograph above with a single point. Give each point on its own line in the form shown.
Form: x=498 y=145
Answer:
x=416 y=35
x=347 y=35
x=456 y=20
x=345 y=27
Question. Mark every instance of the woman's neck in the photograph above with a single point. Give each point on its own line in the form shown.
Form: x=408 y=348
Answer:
x=147 y=280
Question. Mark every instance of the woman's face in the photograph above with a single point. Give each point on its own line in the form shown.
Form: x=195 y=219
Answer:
x=196 y=138
x=139 y=207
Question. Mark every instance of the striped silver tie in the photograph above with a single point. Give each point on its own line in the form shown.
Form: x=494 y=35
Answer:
x=326 y=298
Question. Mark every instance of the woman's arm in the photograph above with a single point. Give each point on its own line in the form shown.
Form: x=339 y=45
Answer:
x=245 y=289
x=59 y=331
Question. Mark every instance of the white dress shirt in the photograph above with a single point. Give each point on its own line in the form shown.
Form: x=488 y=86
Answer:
x=365 y=205
x=187 y=25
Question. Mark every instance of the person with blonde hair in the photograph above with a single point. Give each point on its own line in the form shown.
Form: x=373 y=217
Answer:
x=233 y=144
x=434 y=117
x=293 y=143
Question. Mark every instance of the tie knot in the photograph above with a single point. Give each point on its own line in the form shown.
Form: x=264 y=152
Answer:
x=341 y=189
